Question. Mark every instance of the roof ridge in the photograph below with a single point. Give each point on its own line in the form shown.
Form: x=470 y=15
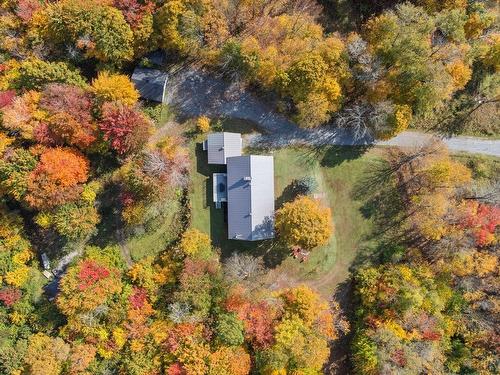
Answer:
x=250 y=196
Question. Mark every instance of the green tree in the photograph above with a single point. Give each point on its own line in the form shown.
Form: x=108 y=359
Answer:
x=416 y=68
x=75 y=221
x=230 y=330
x=35 y=73
x=15 y=168
x=97 y=30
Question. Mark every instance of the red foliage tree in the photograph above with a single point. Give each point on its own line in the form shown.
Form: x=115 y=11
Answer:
x=126 y=128
x=258 y=318
x=138 y=298
x=259 y=321
x=483 y=220
x=90 y=273
x=62 y=129
x=10 y=296
x=71 y=117
x=26 y=8
x=133 y=10
x=179 y=334
x=6 y=97
x=176 y=369
x=56 y=178
x=57 y=98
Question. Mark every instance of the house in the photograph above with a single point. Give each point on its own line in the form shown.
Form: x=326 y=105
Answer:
x=150 y=83
x=247 y=187
x=250 y=197
x=221 y=146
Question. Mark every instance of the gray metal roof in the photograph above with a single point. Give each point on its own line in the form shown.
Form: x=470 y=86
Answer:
x=150 y=83
x=221 y=146
x=250 y=185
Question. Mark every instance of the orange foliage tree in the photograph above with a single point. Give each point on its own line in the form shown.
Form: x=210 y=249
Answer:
x=57 y=178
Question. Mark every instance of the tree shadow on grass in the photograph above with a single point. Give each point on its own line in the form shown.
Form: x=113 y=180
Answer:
x=272 y=252
x=336 y=155
x=383 y=204
x=339 y=361
x=237 y=125
x=110 y=213
x=290 y=192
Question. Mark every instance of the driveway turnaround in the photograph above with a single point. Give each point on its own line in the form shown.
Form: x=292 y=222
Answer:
x=195 y=92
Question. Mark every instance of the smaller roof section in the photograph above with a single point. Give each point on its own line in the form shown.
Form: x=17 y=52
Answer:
x=221 y=146
x=150 y=83
x=219 y=188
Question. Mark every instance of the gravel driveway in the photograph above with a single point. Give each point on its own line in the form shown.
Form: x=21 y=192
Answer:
x=194 y=93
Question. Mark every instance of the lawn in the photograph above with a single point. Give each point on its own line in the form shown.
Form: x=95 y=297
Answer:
x=337 y=170
x=156 y=236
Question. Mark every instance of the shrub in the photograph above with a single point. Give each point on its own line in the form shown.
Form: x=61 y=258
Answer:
x=203 y=124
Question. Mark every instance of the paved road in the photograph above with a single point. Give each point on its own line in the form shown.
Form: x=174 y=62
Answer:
x=197 y=93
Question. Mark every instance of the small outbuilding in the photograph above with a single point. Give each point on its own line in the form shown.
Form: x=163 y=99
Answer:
x=150 y=83
x=221 y=146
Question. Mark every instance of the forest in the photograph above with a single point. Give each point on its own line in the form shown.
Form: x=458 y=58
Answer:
x=386 y=259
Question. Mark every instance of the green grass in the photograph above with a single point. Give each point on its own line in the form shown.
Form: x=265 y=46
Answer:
x=337 y=170
x=158 y=234
x=160 y=114
x=482 y=166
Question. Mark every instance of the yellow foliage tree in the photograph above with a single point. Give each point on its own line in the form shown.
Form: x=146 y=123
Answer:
x=302 y=301
x=445 y=173
x=114 y=87
x=168 y=19
x=460 y=73
x=229 y=361
x=203 y=124
x=196 y=244
x=305 y=223
x=313 y=111
x=5 y=142
x=45 y=355
x=397 y=122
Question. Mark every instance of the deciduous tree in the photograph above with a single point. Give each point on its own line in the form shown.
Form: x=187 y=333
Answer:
x=124 y=127
x=87 y=285
x=93 y=28
x=70 y=117
x=33 y=74
x=114 y=88
x=15 y=168
x=304 y=222
x=196 y=244
x=57 y=178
